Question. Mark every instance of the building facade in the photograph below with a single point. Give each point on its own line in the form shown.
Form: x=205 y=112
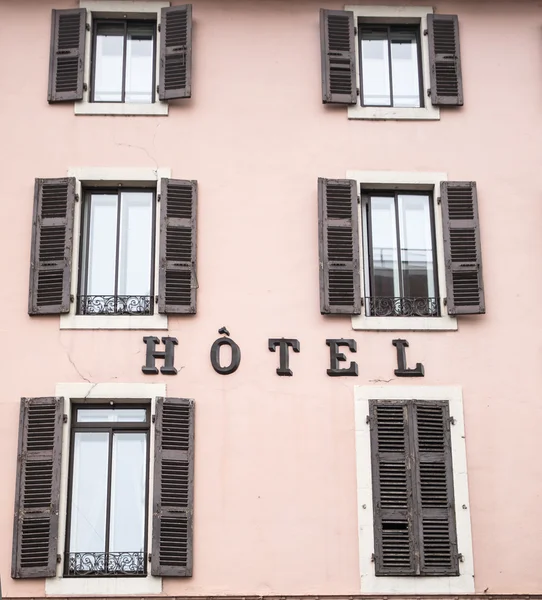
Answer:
x=274 y=341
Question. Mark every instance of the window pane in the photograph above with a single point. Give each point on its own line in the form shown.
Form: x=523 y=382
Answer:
x=417 y=261
x=108 y=59
x=375 y=68
x=135 y=244
x=102 y=245
x=128 y=475
x=385 y=269
x=111 y=415
x=89 y=492
x=405 y=70
x=139 y=63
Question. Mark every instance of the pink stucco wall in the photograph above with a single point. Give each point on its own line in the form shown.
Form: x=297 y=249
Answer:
x=275 y=508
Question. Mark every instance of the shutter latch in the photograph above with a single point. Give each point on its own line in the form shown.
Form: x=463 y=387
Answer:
x=150 y=557
x=460 y=558
x=439 y=199
x=64 y=418
x=59 y=556
x=153 y=418
x=429 y=91
x=452 y=420
x=367 y=419
x=425 y=32
x=373 y=557
x=158 y=197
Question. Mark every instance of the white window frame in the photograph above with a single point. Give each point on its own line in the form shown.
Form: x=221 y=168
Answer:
x=105 y=586
x=370 y=583
x=113 y=176
x=395 y=13
x=123 y=9
x=391 y=180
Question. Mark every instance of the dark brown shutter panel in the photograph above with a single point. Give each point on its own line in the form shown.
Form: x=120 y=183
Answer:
x=173 y=491
x=434 y=493
x=338 y=57
x=178 y=281
x=67 y=58
x=52 y=242
x=338 y=238
x=445 y=60
x=394 y=525
x=176 y=53
x=37 y=491
x=462 y=249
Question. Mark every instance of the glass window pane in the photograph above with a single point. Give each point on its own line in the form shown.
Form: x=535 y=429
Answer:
x=102 y=245
x=135 y=244
x=111 y=415
x=109 y=55
x=89 y=492
x=417 y=260
x=128 y=486
x=405 y=69
x=139 y=63
x=385 y=269
x=375 y=68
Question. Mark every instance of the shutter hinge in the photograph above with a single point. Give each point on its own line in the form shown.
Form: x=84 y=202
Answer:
x=355 y=31
x=150 y=557
x=77 y=197
x=361 y=301
x=357 y=91
x=72 y=299
x=87 y=26
x=156 y=299
x=429 y=91
x=85 y=87
x=445 y=301
x=158 y=30
x=58 y=558
x=439 y=199
x=157 y=89
x=367 y=419
x=153 y=418
x=158 y=197
x=373 y=557
x=64 y=418
x=452 y=420
x=359 y=199
x=425 y=32
x=460 y=557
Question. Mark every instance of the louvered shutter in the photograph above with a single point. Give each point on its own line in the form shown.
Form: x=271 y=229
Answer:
x=52 y=242
x=173 y=490
x=338 y=239
x=338 y=57
x=445 y=60
x=176 y=53
x=178 y=282
x=394 y=526
x=37 y=491
x=462 y=249
x=434 y=489
x=67 y=58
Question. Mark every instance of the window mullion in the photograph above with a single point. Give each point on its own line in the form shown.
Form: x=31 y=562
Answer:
x=108 y=509
x=124 y=47
x=398 y=234
x=390 y=66
x=117 y=248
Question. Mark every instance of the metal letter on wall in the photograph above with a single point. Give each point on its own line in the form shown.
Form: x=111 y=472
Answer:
x=284 y=344
x=402 y=370
x=168 y=356
x=235 y=354
x=336 y=357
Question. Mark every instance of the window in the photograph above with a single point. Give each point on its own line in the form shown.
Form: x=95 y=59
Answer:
x=117 y=251
x=109 y=490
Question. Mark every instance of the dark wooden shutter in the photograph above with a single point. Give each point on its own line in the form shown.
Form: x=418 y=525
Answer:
x=176 y=53
x=338 y=57
x=394 y=526
x=434 y=489
x=178 y=282
x=445 y=60
x=52 y=242
x=67 y=58
x=340 y=291
x=173 y=491
x=462 y=249
x=37 y=491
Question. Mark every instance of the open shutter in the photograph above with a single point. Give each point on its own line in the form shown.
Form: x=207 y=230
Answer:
x=394 y=526
x=52 y=242
x=462 y=250
x=338 y=57
x=338 y=238
x=178 y=282
x=173 y=490
x=434 y=489
x=67 y=58
x=37 y=491
x=445 y=60
x=176 y=53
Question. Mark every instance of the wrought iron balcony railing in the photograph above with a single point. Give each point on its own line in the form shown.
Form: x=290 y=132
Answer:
x=385 y=306
x=115 y=305
x=105 y=564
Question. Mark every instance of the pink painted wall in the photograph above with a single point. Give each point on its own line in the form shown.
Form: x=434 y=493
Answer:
x=275 y=506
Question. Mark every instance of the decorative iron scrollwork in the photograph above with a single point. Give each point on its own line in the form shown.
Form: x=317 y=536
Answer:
x=383 y=306
x=115 y=305
x=105 y=564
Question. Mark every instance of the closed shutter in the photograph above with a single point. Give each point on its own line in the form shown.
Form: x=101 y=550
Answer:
x=37 y=491
x=52 y=242
x=338 y=57
x=462 y=248
x=173 y=490
x=340 y=291
x=445 y=60
x=434 y=493
x=176 y=53
x=67 y=58
x=178 y=282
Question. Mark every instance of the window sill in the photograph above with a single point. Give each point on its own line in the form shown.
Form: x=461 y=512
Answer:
x=118 y=108
x=108 y=586
x=428 y=113
x=71 y=321
x=445 y=323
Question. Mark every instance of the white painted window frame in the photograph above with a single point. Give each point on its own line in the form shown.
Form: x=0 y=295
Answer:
x=106 y=586
x=370 y=583
x=122 y=9
x=395 y=13
x=113 y=176
x=390 y=180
